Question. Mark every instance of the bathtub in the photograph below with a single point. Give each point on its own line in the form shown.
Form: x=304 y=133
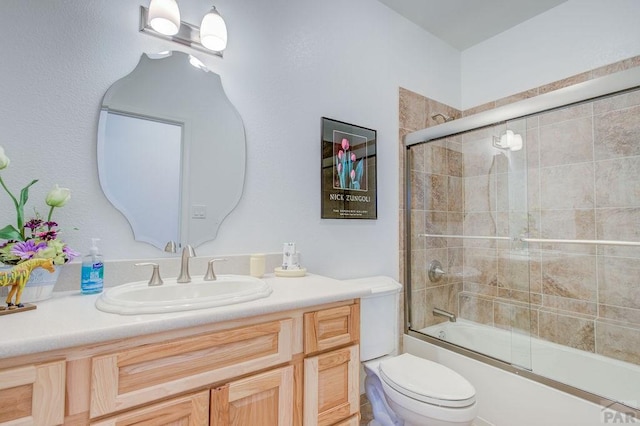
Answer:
x=599 y=375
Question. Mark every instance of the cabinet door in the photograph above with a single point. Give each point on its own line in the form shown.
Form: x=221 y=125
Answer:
x=191 y=410
x=33 y=395
x=331 y=386
x=330 y=328
x=263 y=399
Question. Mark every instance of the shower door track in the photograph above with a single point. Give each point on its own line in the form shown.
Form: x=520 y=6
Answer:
x=537 y=240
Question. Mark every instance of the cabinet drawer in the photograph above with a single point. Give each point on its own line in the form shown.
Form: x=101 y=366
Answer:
x=331 y=328
x=190 y=410
x=33 y=394
x=331 y=386
x=128 y=378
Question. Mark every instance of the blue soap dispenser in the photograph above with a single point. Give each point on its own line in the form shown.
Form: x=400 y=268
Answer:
x=92 y=276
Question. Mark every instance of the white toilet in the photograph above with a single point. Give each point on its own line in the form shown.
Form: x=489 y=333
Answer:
x=405 y=389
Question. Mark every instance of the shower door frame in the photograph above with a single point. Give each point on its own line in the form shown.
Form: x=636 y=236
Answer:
x=609 y=85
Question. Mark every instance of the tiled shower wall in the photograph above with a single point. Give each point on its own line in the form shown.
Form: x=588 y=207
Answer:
x=582 y=181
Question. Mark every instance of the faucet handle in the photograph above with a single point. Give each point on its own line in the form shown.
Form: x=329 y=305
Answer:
x=155 y=279
x=211 y=275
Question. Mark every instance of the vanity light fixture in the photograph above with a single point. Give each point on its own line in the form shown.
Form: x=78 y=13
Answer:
x=164 y=16
x=162 y=19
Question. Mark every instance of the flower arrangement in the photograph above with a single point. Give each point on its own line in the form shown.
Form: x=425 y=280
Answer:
x=349 y=173
x=35 y=237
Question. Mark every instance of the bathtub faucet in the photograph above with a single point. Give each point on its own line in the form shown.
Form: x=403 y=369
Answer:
x=442 y=313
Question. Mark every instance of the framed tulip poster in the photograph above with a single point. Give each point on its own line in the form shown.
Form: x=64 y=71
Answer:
x=348 y=171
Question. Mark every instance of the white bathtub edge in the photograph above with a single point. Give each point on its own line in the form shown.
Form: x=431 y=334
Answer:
x=505 y=399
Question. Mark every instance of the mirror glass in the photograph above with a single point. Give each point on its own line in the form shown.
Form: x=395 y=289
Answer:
x=171 y=150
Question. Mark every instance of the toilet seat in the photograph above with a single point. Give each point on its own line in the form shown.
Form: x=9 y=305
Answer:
x=427 y=381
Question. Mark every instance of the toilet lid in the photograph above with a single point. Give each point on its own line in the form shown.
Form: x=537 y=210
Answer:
x=427 y=381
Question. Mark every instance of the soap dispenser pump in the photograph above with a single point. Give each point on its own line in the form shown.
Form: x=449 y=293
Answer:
x=92 y=276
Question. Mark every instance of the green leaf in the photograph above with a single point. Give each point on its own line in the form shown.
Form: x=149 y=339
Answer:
x=10 y=233
x=24 y=197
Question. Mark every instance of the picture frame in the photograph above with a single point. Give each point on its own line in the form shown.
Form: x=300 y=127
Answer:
x=349 y=171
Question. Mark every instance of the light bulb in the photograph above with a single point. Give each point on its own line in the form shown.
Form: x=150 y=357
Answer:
x=164 y=16
x=213 y=31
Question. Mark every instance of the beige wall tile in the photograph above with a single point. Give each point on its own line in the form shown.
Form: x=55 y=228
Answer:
x=570 y=305
x=618 y=342
x=514 y=317
x=618 y=224
x=435 y=159
x=413 y=109
x=570 y=331
x=476 y=308
x=436 y=223
x=619 y=282
x=570 y=225
x=624 y=316
x=480 y=193
x=567 y=187
x=455 y=160
x=480 y=224
x=436 y=192
x=481 y=268
x=618 y=182
x=455 y=194
x=418 y=183
x=566 y=142
x=570 y=275
x=616 y=133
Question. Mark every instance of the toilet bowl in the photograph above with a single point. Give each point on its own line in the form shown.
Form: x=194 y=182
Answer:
x=405 y=389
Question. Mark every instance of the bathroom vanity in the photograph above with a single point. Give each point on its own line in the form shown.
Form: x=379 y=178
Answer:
x=289 y=359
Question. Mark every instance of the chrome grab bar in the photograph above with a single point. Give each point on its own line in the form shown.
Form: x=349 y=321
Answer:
x=537 y=240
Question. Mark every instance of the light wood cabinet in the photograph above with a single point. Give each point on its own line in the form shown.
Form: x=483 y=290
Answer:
x=293 y=368
x=263 y=399
x=332 y=372
x=330 y=328
x=33 y=394
x=191 y=410
x=331 y=386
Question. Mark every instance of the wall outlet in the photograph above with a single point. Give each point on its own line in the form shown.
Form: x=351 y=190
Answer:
x=198 y=211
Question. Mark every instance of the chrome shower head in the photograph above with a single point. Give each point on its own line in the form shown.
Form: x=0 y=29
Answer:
x=446 y=118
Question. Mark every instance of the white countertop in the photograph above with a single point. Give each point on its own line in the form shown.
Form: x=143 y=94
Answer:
x=71 y=319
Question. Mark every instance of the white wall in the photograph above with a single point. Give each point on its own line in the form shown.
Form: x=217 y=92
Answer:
x=288 y=63
x=574 y=37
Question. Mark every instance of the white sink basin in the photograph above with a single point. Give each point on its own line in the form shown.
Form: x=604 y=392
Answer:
x=139 y=298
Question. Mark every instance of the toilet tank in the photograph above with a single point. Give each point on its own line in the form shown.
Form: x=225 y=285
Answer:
x=379 y=317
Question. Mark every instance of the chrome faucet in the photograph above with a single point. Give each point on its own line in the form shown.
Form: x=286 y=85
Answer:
x=443 y=313
x=184 y=276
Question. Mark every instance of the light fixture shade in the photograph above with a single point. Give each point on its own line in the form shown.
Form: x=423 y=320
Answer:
x=213 y=31
x=164 y=16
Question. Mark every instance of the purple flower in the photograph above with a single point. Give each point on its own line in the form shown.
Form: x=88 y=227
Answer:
x=70 y=253
x=48 y=235
x=27 y=249
x=345 y=144
x=353 y=157
x=33 y=224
